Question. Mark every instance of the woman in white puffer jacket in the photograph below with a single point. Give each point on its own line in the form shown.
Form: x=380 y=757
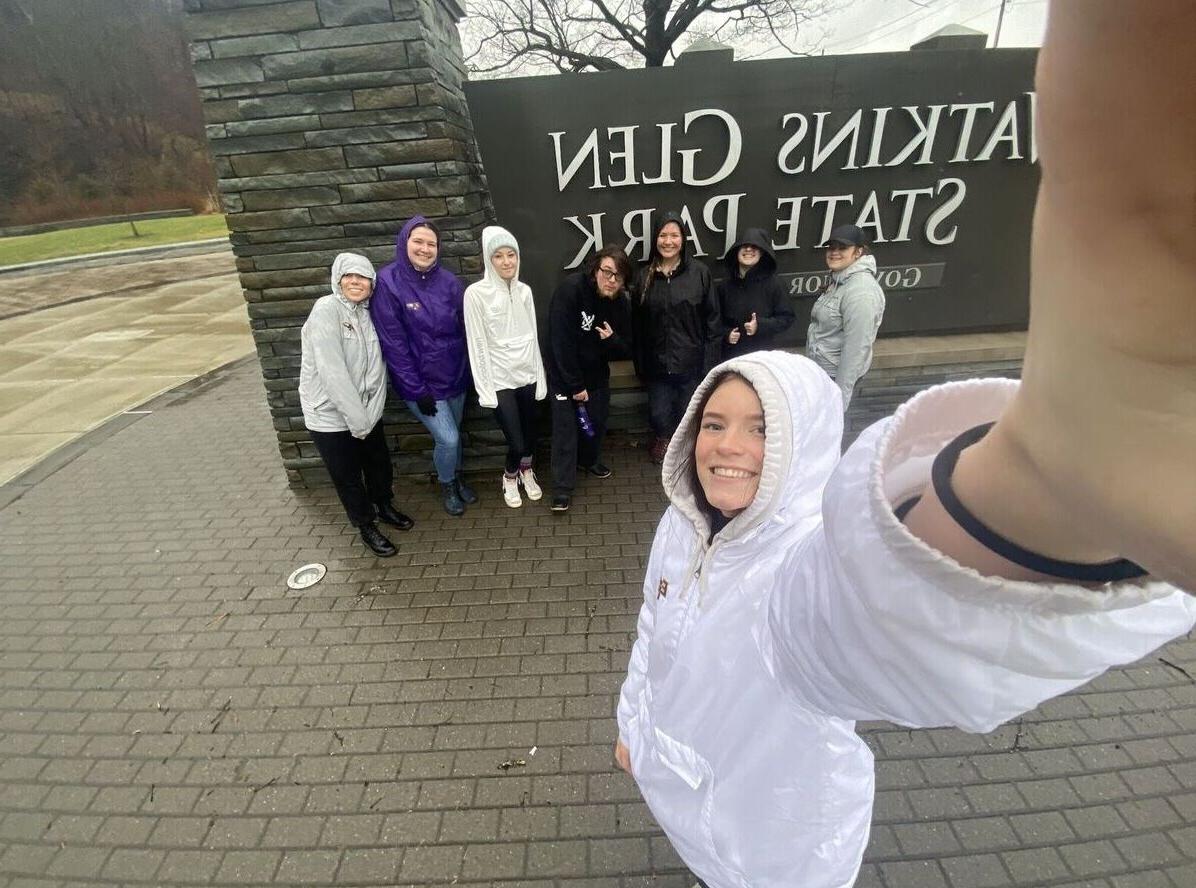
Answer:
x=765 y=634
x=947 y=571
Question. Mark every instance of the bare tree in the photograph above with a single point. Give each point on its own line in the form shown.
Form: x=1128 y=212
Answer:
x=513 y=36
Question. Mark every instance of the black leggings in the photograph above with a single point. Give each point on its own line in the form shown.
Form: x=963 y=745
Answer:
x=516 y=415
x=349 y=461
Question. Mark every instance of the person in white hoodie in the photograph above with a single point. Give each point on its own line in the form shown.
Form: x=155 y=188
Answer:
x=504 y=356
x=847 y=315
x=342 y=391
x=988 y=547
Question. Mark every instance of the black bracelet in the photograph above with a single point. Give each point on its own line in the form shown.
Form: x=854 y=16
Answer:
x=940 y=476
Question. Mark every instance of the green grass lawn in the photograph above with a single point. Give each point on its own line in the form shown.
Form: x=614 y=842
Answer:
x=106 y=238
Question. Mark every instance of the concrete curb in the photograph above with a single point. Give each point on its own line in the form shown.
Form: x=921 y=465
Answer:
x=91 y=260
x=17 y=486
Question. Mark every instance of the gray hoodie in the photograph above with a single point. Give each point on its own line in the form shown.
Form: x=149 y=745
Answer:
x=844 y=322
x=342 y=378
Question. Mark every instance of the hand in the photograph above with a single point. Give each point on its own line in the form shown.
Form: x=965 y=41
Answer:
x=1093 y=459
x=622 y=756
x=605 y=331
x=426 y=405
x=751 y=326
x=733 y=336
x=583 y=395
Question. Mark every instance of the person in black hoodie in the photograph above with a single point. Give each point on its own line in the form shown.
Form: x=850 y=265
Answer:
x=753 y=305
x=677 y=330
x=588 y=326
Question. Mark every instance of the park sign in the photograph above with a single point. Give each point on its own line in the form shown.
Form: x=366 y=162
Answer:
x=931 y=152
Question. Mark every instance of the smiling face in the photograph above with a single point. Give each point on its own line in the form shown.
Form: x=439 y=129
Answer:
x=840 y=256
x=356 y=287
x=668 y=242
x=729 y=451
x=422 y=248
x=506 y=263
x=748 y=257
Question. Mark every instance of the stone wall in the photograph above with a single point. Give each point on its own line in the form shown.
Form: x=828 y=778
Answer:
x=331 y=122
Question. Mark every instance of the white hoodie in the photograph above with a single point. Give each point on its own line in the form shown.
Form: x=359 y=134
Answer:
x=815 y=607
x=500 y=327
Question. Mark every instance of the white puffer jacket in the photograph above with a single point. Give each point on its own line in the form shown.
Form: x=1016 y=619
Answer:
x=815 y=607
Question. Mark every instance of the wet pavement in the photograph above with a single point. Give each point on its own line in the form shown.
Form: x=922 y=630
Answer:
x=172 y=714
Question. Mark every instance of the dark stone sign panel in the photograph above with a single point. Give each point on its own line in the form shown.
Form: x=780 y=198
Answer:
x=932 y=152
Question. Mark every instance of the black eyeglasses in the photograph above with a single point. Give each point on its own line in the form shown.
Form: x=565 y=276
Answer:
x=609 y=274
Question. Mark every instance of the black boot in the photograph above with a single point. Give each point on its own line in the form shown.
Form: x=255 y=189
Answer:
x=452 y=502
x=376 y=541
x=465 y=492
x=390 y=515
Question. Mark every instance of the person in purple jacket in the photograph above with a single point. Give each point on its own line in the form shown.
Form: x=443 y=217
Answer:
x=417 y=310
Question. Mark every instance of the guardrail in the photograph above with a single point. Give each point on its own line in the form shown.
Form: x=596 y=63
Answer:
x=43 y=227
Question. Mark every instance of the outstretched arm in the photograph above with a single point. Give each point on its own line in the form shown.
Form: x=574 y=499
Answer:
x=1093 y=460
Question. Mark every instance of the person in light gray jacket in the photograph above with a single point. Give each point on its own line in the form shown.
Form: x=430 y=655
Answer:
x=342 y=390
x=845 y=318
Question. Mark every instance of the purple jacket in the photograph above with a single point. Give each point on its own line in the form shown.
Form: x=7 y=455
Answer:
x=421 y=326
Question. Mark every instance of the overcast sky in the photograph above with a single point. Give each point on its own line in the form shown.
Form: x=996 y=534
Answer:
x=892 y=25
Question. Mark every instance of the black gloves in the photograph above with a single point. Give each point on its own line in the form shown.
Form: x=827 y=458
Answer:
x=426 y=405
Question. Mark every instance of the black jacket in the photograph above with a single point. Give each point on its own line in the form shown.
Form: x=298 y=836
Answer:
x=577 y=357
x=674 y=317
x=759 y=292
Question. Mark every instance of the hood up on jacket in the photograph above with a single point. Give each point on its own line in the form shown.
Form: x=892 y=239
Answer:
x=803 y=421
x=758 y=238
x=867 y=262
x=350 y=263
x=659 y=222
x=402 y=272
x=494 y=238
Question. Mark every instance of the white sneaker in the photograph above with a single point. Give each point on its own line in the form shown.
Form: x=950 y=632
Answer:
x=531 y=487
x=510 y=492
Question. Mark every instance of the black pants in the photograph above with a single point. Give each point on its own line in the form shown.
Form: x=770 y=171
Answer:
x=668 y=396
x=349 y=460
x=516 y=415
x=571 y=447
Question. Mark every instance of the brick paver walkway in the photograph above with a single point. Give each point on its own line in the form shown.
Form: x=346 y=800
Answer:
x=171 y=714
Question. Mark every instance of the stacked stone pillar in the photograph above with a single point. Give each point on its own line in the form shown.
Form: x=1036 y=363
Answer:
x=331 y=122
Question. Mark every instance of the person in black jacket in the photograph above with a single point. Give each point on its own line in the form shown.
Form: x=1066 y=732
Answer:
x=753 y=305
x=676 y=324
x=588 y=326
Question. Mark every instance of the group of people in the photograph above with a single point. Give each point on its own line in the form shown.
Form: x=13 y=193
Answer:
x=416 y=322
x=991 y=545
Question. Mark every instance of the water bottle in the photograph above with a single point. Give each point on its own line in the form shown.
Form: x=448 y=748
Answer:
x=583 y=420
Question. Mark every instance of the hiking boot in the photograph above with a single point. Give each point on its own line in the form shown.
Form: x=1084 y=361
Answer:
x=452 y=502
x=388 y=514
x=376 y=541
x=510 y=491
x=465 y=492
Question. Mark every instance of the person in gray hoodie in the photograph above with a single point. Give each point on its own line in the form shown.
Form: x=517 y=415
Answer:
x=844 y=320
x=342 y=390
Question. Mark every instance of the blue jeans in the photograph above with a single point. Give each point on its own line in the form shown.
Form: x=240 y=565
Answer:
x=445 y=429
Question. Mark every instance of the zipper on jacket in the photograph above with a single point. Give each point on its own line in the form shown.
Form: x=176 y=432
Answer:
x=702 y=572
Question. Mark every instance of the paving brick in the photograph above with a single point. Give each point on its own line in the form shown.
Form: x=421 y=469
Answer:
x=456 y=674
x=975 y=871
